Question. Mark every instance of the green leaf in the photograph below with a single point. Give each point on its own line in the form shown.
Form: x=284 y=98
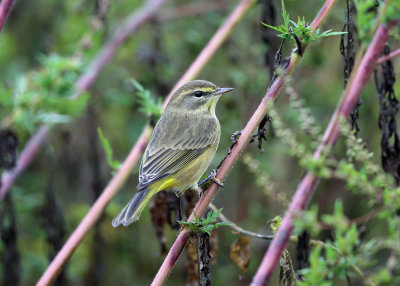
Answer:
x=279 y=29
x=204 y=224
x=301 y=29
x=149 y=106
x=114 y=164
x=42 y=96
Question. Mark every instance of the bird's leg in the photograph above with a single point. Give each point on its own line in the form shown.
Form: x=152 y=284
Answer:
x=173 y=210
x=183 y=204
x=215 y=180
x=211 y=177
x=235 y=135
x=202 y=182
x=180 y=214
x=180 y=209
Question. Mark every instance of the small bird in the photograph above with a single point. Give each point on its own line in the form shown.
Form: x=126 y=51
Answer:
x=181 y=148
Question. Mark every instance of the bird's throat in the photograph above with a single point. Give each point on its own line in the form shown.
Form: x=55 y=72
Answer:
x=211 y=104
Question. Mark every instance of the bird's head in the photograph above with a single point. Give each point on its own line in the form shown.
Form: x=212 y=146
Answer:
x=197 y=96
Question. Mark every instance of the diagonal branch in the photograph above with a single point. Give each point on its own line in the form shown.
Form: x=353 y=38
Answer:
x=27 y=155
x=214 y=44
x=392 y=55
x=305 y=189
x=131 y=24
x=95 y=212
x=237 y=228
x=237 y=149
x=192 y=10
x=5 y=10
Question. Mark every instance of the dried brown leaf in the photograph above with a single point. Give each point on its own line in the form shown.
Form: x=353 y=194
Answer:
x=190 y=198
x=159 y=213
x=192 y=278
x=287 y=276
x=191 y=255
x=205 y=258
x=240 y=253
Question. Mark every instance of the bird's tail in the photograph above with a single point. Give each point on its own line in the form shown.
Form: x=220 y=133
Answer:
x=133 y=209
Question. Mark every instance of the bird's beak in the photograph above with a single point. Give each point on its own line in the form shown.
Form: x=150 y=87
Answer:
x=220 y=91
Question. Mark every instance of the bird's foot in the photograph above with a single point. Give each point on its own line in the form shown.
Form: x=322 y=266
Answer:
x=218 y=182
x=212 y=177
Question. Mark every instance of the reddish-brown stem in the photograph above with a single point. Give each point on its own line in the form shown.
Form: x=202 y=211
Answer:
x=192 y=9
x=131 y=24
x=390 y=56
x=307 y=185
x=32 y=147
x=213 y=45
x=5 y=10
x=225 y=168
x=95 y=212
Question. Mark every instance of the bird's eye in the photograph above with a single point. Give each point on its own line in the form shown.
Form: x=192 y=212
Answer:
x=198 y=93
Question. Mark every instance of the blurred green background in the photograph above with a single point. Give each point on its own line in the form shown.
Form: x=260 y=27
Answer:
x=156 y=56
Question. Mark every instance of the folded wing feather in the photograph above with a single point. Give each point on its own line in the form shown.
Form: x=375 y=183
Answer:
x=166 y=154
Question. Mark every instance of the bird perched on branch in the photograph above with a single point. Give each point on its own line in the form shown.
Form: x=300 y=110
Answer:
x=181 y=148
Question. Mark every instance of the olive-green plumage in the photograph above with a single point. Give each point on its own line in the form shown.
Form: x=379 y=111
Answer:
x=181 y=148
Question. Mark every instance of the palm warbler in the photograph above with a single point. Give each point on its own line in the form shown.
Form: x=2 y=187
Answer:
x=181 y=148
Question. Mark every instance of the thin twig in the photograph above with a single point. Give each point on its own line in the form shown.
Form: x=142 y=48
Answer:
x=391 y=263
x=214 y=44
x=5 y=10
x=354 y=267
x=293 y=239
x=358 y=220
x=95 y=212
x=27 y=155
x=130 y=25
x=237 y=149
x=390 y=56
x=192 y=9
x=237 y=228
x=305 y=189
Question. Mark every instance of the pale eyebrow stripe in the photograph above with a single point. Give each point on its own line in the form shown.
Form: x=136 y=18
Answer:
x=204 y=89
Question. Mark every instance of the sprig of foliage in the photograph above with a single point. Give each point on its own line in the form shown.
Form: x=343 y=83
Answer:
x=287 y=275
x=204 y=224
x=149 y=106
x=301 y=29
x=361 y=173
x=339 y=255
x=43 y=96
x=263 y=180
x=307 y=122
x=319 y=166
x=307 y=220
x=114 y=164
x=274 y=224
x=365 y=18
x=370 y=13
x=391 y=12
x=346 y=254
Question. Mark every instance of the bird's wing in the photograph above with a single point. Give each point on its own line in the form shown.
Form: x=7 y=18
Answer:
x=173 y=146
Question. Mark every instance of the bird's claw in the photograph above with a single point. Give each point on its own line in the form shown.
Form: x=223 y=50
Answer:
x=218 y=182
x=212 y=177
